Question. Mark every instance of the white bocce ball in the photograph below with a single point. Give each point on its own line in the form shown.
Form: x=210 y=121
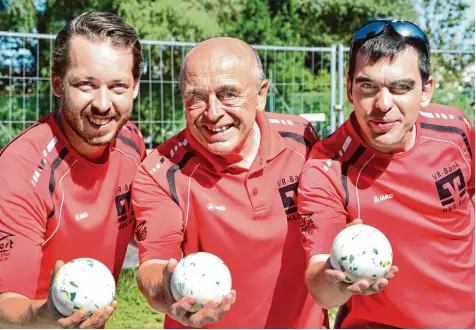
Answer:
x=202 y=276
x=83 y=283
x=363 y=252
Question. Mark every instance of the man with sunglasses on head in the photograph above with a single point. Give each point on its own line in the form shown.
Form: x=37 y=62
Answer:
x=406 y=167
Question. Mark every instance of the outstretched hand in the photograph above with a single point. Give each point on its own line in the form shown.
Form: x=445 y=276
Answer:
x=361 y=286
x=79 y=319
x=212 y=312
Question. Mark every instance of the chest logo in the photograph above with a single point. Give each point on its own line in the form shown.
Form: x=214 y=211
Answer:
x=451 y=189
x=213 y=207
x=381 y=198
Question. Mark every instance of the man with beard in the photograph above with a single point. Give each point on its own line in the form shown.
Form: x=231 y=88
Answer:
x=66 y=179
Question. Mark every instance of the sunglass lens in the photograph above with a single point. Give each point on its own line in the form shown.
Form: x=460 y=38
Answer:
x=370 y=30
x=407 y=29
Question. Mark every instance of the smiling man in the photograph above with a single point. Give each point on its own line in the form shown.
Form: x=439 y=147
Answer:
x=406 y=167
x=227 y=185
x=66 y=180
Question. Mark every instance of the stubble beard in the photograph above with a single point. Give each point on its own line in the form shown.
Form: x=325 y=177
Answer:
x=76 y=123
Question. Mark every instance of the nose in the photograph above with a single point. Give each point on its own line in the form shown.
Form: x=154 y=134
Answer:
x=215 y=109
x=383 y=100
x=101 y=101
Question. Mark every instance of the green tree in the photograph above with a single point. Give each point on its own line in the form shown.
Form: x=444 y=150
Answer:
x=19 y=16
x=326 y=22
x=447 y=26
x=186 y=20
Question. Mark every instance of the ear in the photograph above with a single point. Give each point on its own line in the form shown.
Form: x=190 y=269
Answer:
x=349 y=90
x=262 y=94
x=56 y=82
x=136 y=88
x=427 y=91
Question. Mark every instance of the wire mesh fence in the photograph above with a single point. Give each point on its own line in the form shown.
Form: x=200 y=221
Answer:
x=303 y=80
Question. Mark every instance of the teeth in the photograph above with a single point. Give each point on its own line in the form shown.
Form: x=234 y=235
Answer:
x=98 y=121
x=218 y=129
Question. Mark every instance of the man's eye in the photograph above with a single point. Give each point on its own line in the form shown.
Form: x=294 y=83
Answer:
x=367 y=86
x=399 y=89
x=84 y=83
x=119 y=86
x=228 y=95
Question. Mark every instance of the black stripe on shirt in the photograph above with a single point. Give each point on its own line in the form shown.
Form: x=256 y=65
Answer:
x=171 y=174
x=129 y=142
x=297 y=137
x=449 y=129
x=54 y=166
x=345 y=168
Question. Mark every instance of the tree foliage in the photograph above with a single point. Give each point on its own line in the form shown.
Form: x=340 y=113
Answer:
x=300 y=79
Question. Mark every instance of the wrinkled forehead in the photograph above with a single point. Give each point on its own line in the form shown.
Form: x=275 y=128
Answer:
x=218 y=68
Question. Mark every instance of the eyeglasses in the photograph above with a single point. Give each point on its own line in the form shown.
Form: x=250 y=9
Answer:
x=403 y=28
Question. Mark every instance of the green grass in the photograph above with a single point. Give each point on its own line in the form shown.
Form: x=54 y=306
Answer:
x=134 y=312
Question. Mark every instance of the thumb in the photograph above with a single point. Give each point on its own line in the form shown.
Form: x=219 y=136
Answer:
x=167 y=279
x=169 y=269
x=58 y=265
x=355 y=222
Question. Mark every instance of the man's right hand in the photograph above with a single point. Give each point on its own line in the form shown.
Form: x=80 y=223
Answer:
x=327 y=285
x=361 y=286
x=212 y=312
x=79 y=319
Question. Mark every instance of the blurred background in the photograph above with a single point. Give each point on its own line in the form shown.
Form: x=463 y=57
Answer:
x=302 y=44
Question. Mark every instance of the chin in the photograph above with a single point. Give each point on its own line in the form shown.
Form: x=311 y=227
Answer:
x=98 y=141
x=221 y=148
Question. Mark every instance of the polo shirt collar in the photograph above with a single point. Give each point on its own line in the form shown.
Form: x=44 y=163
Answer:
x=271 y=145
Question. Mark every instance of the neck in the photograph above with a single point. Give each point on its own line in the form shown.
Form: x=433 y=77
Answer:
x=250 y=148
x=95 y=154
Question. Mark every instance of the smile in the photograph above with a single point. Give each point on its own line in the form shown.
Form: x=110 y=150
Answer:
x=99 y=121
x=218 y=129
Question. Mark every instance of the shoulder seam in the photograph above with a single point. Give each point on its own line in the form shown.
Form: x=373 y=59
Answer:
x=449 y=129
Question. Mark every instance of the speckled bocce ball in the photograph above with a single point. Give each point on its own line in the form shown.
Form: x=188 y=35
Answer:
x=82 y=283
x=363 y=252
x=202 y=276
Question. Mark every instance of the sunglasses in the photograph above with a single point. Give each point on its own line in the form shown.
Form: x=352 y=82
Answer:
x=403 y=28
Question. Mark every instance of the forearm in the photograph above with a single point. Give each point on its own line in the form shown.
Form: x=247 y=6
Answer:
x=150 y=282
x=21 y=312
x=326 y=294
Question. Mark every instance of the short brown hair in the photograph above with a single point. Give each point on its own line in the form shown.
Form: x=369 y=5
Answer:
x=97 y=26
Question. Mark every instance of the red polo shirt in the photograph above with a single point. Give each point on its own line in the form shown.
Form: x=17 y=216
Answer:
x=420 y=200
x=187 y=199
x=56 y=205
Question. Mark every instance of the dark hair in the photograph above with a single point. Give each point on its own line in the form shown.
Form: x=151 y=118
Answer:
x=388 y=45
x=97 y=26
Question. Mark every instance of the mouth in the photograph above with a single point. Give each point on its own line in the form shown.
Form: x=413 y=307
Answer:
x=99 y=122
x=217 y=130
x=383 y=125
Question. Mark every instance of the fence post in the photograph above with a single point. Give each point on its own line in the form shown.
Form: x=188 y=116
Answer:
x=340 y=105
x=332 y=100
x=271 y=91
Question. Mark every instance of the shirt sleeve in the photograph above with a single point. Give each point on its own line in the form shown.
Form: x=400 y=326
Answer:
x=23 y=214
x=320 y=205
x=159 y=222
x=471 y=136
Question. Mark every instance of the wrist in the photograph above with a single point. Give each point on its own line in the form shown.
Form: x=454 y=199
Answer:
x=42 y=314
